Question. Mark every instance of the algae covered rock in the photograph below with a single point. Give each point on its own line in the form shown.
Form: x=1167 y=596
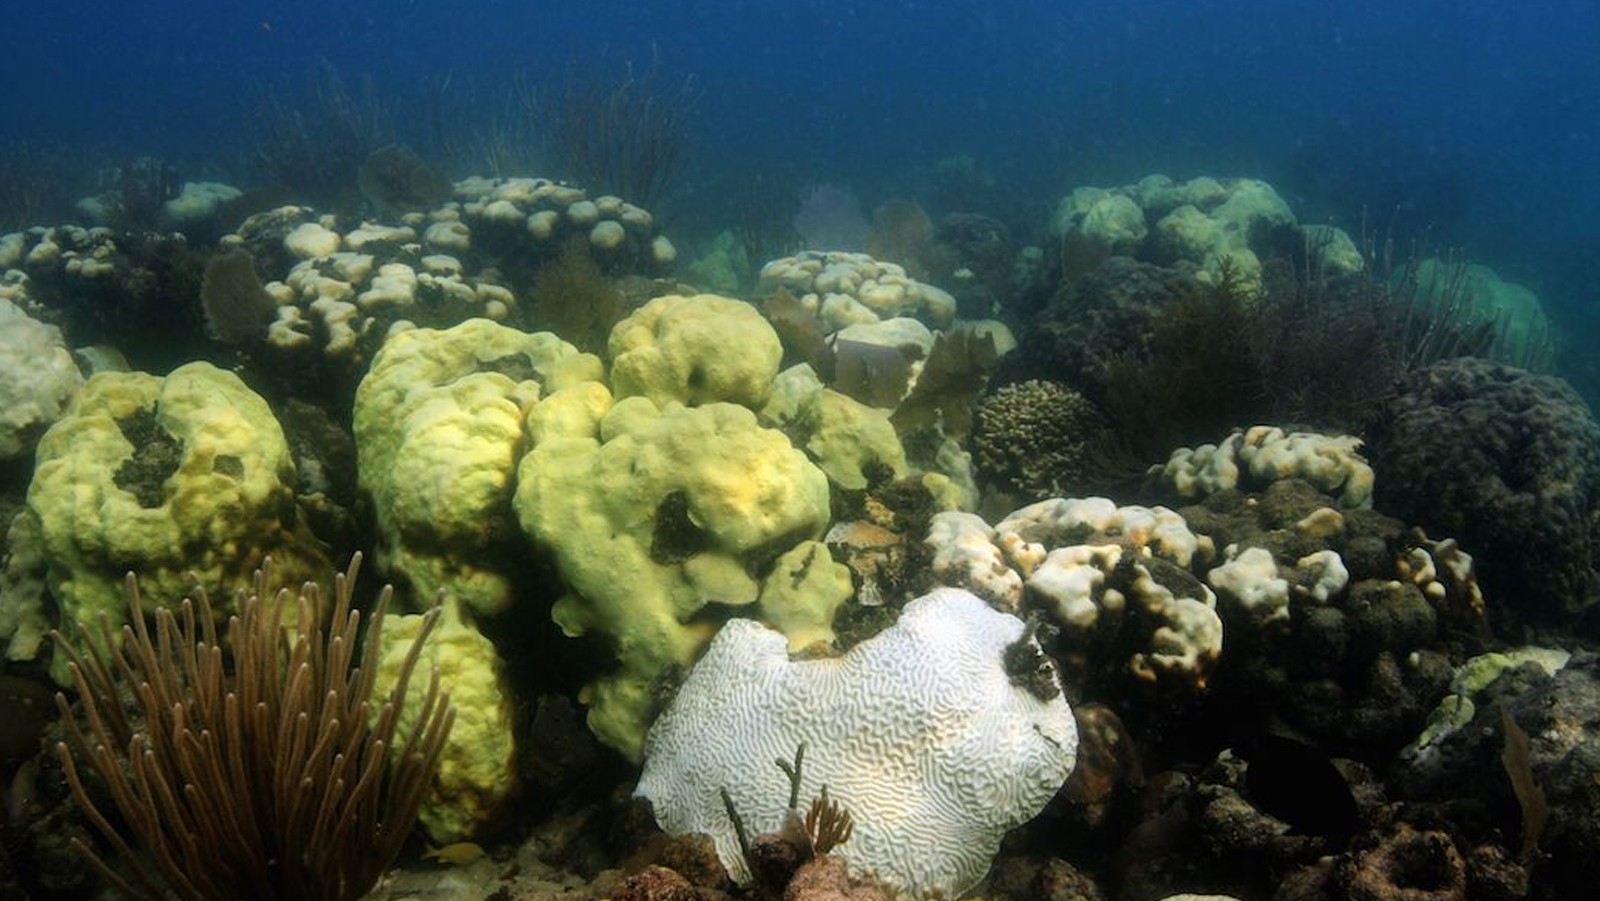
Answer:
x=1507 y=462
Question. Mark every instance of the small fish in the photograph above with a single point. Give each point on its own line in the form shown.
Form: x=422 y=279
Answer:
x=1297 y=782
x=455 y=854
x=22 y=797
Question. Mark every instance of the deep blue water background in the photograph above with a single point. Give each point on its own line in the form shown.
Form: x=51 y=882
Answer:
x=1480 y=119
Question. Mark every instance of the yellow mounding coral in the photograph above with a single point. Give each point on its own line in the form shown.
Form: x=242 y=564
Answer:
x=188 y=478
x=653 y=512
x=695 y=350
x=802 y=593
x=477 y=768
x=439 y=423
x=847 y=438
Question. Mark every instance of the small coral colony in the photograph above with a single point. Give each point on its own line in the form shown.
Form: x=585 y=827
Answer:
x=1170 y=546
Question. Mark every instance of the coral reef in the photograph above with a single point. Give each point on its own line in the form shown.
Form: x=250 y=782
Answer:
x=1339 y=623
x=476 y=766
x=847 y=288
x=1035 y=438
x=1210 y=223
x=677 y=349
x=1258 y=456
x=340 y=288
x=137 y=291
x=754 y=521
x=1556 y=711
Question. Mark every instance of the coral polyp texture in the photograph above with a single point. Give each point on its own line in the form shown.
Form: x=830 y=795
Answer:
x=189 y=476
x=920 y=732
x=1032 y=437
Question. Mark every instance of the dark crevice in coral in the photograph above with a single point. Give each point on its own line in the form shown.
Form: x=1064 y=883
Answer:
x=516 y=367
x=676 y=537
x=228 y=465
x=156 y=455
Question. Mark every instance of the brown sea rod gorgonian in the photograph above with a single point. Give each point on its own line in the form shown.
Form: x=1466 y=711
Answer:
x=261 y=772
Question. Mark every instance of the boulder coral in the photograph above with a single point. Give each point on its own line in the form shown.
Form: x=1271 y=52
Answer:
x=477 y=767
x=37 y=378
x=694 y=350
x=652 y=513
x=439 y=423
x=187 y=477
x=1508 y=462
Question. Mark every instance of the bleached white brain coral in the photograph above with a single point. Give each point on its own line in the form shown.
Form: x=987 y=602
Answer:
x=919 y=732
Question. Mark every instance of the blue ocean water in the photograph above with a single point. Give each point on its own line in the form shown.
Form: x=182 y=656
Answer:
x=1476 y=120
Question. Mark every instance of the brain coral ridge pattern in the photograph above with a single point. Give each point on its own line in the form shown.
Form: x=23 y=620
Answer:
x=918 y=732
